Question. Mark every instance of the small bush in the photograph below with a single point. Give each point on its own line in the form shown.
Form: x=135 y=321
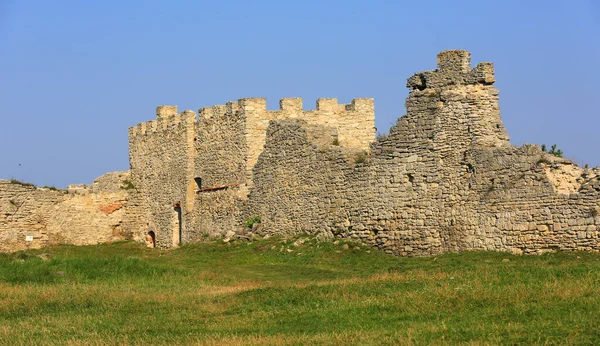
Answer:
x=127 y=185
x=382 y=136
x=52 y=188
x=553 y=150
x=337 y=231
x=15 y=181
x=336 y=142
x=361 y=157
x=252 y=221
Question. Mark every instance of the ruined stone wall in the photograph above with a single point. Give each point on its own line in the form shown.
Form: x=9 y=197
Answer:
x=445 y=179
x=526 y=207
x=207 y=165
x=32 y=217
x=161 y=155
x=25 y=211
x=448 y=179
x=299 y=179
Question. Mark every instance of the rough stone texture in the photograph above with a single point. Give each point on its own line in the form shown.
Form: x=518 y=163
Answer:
x=81 y=216
x=205 y=165
x=445 y=178
x=161 y=155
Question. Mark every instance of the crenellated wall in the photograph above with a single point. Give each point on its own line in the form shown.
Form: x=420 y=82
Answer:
x=207 y=165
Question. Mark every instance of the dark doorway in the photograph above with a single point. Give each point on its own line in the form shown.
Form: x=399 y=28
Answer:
x=151 y=239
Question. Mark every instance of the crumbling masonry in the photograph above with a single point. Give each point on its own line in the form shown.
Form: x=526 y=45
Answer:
x=445 y=179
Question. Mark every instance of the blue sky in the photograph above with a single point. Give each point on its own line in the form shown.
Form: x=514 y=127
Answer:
x=74 y=75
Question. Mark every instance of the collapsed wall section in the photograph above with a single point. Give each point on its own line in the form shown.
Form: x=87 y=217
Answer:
x=445 y=179
x=299 y=180
x=522 y=210
x=410 y=198
x=32 y=217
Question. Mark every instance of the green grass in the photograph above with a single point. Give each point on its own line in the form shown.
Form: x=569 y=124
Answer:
x=320 y=293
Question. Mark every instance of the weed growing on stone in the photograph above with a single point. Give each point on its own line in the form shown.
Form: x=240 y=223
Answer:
x=15 y=181
x=382 y=136
x=251 y=221
x=127 y=185
x=361 y=156
x=553 y=150
x=51 y=188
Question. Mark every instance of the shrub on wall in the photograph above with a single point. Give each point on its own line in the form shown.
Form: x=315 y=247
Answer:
x=252 y=221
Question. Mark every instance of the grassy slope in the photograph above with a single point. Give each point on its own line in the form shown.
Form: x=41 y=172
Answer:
x=319 y=293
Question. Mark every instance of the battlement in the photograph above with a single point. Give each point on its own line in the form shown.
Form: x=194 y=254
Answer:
x=288 y=107
x=167 y=118
x=296 y=104
x=355 y=122
x=454 y=68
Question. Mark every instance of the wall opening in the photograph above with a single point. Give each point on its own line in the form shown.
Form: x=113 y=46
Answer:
x=151 y=239
x=177 y=232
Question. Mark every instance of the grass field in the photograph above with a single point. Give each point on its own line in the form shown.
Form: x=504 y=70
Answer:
x=272 y=292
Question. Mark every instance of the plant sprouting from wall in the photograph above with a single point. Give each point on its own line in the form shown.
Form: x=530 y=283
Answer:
x=253 y=220
x=361 y=156
x=127 y=185
x=553 y=150
x=15 y=181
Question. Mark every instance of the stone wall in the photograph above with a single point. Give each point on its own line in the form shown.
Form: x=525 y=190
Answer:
x=355 y=122
x=206 y=165
x=298 y=185
x=32 y=217
x=445 y=179
x=161 y=156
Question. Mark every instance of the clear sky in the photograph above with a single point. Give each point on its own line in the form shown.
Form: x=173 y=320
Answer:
x=74 y=75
